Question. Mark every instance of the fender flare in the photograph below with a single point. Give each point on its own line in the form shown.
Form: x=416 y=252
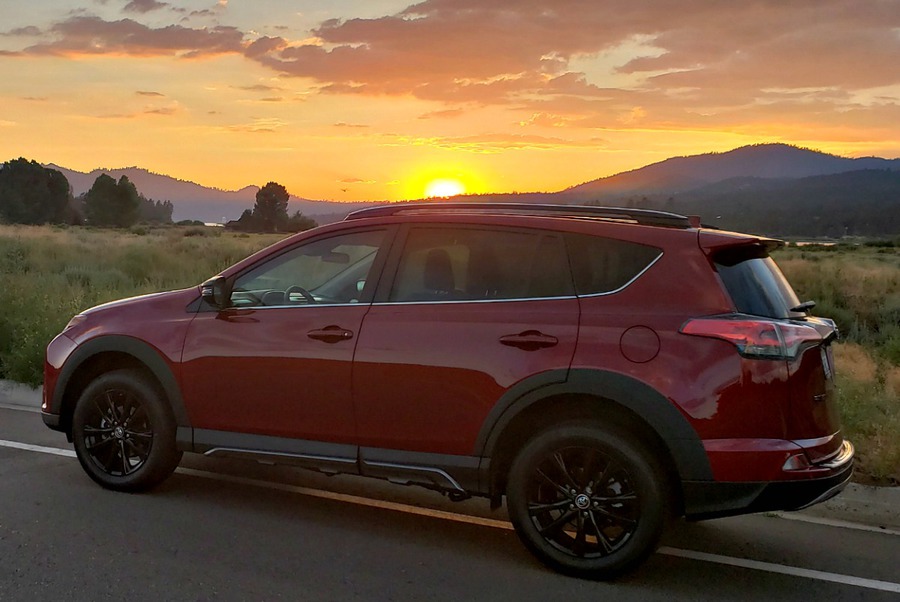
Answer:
x=655 y=409
x=147 y=355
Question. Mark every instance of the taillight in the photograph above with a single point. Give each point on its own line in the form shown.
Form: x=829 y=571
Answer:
x=763 y=339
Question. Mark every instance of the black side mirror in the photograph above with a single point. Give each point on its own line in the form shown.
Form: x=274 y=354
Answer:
x=215 y=292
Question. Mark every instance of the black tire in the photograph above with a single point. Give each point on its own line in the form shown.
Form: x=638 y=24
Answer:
x=587 y=500
x=124 y=432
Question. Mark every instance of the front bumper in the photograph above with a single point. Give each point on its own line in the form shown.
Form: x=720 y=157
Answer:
x=712 y=499
x=52 y=420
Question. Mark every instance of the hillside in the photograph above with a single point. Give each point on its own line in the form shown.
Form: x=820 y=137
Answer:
x=196 y=202
x=856 y=203
x=685 y=173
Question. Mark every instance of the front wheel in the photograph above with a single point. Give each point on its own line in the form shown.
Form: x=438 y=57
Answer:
x=124 y=432
x=588 y=501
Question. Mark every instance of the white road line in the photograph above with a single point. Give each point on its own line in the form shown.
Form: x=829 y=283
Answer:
x=831 y=522
x=13 y=406
x=885 y=586
x=68 y=453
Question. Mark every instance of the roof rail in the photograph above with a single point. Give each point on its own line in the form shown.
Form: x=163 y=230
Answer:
x=640 y=216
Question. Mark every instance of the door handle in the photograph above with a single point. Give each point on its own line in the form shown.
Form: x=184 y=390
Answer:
x=331 y=334
x=530 y=340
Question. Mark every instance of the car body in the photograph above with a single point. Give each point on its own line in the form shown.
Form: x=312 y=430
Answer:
x=604 y=369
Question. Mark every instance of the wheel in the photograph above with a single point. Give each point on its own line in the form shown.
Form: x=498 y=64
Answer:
x=307 y=296
x=587 y=500
x=124 y=432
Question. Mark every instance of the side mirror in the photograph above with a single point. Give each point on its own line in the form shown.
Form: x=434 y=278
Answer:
x=215 y=292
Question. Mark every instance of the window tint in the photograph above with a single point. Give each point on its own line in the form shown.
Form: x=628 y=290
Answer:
x=450 y=264
x=755 y=284
x=604 y=265
x=331 y=270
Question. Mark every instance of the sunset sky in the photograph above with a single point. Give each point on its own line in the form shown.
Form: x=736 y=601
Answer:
x=377 y=99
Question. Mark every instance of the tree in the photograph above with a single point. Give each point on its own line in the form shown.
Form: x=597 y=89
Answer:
x=108 y=203
x=270 y=210
x=299 y=222
x=33 y=194
x=155 y=212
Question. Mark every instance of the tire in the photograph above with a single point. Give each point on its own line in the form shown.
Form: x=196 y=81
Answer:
x=124 y=432
x=587 y=500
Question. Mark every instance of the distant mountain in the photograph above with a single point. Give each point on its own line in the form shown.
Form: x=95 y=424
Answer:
x=196 y=202
x=767 y=188
x=679 y=174
x=855 y=203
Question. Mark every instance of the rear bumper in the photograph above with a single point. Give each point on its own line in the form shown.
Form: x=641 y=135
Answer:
x=712 y=499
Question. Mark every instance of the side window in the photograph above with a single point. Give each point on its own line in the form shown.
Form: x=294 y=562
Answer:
x=469 y=264
x=330 y=270
x=604 y=265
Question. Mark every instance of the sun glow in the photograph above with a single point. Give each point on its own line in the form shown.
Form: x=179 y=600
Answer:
x=444 y=188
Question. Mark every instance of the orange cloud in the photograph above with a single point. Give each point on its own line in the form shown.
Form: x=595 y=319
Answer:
x=94 y=36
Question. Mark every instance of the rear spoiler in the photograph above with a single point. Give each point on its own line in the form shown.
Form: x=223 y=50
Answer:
x=715 y=241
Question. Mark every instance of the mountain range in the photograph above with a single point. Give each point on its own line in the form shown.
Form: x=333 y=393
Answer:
x=775 y=189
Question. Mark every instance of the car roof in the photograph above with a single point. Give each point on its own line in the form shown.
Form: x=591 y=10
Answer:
x=644 y=217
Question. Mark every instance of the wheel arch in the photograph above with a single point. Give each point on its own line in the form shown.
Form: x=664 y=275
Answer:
x=113 y=352
x=610 y=397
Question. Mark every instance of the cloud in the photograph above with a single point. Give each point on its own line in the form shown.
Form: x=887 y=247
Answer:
x=566 y=64
x=259 y=88
x=144 y=6
x=447 y=113
x=259 y=125
x=148 y=93
x=94 y=36
x=29 y=30
x=618 y=62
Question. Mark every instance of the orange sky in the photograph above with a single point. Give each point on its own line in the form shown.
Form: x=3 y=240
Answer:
x=375 y=99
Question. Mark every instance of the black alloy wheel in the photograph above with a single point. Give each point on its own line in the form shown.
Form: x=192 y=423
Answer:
x=124 y=433
x=118 y=435
x=587 y=501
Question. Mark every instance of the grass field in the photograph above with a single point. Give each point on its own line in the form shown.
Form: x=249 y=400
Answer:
x=48 y=274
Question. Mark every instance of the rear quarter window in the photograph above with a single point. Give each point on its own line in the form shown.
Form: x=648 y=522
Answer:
x=605 y=265
x=755 y=283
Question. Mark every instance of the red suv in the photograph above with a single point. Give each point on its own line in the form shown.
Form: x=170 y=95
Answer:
x=604 y=369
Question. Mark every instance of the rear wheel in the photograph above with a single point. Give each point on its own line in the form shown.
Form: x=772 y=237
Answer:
x=124 y=432
x=588 y=501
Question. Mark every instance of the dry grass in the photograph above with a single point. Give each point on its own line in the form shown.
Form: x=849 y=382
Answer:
x=869 y=397
x=49 y=274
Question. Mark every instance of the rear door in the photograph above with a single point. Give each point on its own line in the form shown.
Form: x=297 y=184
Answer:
x=470 y=311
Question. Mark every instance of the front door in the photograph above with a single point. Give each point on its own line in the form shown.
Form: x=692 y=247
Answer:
x=278 y=362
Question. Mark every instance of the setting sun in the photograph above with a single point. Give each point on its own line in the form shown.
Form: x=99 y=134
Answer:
x=444 y=188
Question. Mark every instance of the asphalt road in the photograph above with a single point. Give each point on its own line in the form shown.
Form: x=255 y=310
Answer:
x=232 y=531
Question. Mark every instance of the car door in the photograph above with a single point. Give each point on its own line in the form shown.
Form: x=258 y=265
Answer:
x=470 y=312
x=277 y=363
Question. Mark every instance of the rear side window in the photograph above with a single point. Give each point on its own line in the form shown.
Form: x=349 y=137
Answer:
x=755 y=284
x=469 y=264
x=605 y=265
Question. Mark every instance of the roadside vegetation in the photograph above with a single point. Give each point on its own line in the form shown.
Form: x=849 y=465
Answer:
x=50 y=273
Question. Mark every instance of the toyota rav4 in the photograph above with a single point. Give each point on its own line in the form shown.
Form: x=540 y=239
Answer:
x=603 y=370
